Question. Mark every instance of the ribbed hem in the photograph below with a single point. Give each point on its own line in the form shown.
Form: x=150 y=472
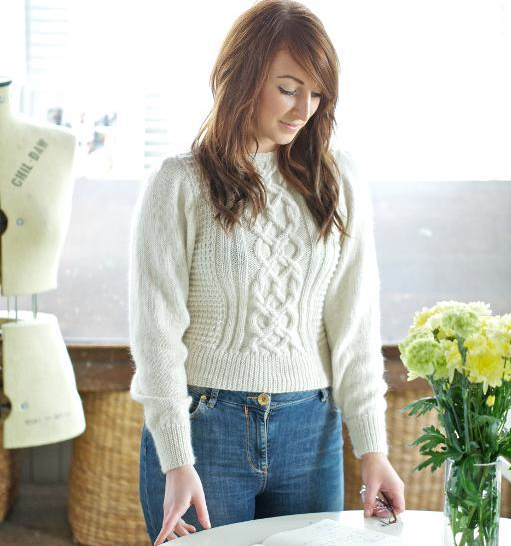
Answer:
x=174 y=444
x=205 y=366
x=368 y=433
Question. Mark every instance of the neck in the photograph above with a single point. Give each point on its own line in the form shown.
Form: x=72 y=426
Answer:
x=5 y=102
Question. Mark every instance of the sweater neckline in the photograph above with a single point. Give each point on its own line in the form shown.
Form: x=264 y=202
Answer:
x=265 y=160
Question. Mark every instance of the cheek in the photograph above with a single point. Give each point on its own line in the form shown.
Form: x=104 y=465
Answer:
x=274 y=105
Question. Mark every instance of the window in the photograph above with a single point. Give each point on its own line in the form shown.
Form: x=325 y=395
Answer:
x=424 y=85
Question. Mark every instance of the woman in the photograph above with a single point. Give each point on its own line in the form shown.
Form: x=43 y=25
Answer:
x=254 y=297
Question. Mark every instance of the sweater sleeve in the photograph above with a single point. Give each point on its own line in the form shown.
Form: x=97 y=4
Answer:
x=161 y=247
x=352 y=320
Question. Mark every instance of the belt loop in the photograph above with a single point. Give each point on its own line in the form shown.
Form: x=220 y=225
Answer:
x=213 y=398
x=324 y=394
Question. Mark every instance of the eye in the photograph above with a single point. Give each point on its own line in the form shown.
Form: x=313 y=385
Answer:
x=284 y=92
x=293 y=93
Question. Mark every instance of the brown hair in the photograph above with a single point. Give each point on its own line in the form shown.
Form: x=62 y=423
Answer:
x=222 y=146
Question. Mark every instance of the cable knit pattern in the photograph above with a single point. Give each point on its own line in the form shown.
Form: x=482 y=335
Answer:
x=277 y=287
x=264 y=309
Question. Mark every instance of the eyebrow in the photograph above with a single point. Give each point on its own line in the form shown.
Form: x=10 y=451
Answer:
x=293 y=78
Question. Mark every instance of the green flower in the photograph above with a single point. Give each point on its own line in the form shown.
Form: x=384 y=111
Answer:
x=419 y=333
x=432 y=318
x=422 y=357
x=461 y=322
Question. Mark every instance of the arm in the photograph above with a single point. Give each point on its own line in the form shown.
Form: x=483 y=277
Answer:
x=161 y=246
x=352 y=320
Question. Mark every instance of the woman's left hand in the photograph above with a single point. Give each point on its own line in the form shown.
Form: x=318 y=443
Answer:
x=379 y=475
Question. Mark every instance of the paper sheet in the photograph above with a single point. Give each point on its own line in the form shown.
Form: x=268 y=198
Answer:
x=328 y=532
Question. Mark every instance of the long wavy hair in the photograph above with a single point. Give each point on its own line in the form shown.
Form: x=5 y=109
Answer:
x=222 y=146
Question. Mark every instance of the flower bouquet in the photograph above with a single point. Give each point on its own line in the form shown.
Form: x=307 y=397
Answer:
x=464 y=352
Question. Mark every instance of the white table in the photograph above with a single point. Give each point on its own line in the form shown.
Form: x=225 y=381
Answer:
x=418 y=527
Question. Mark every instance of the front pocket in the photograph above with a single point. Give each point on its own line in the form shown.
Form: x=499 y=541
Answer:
x=198 y=403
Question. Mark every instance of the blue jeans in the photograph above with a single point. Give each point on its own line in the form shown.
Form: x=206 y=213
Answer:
x=258 y=455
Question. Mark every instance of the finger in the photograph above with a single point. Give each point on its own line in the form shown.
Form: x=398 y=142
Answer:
x=181 y=530
x=169 y=522
x=163 y=535
x=370 y=499
x=160 y=538
x=189 y=526
x=398 y=501
x=202 y=511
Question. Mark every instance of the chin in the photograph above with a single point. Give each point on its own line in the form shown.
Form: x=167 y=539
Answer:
x=284 y=139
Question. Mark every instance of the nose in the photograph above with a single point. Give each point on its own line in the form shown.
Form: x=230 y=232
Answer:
x=302 y=109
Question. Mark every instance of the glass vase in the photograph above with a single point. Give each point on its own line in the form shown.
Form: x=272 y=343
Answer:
x=472 y=504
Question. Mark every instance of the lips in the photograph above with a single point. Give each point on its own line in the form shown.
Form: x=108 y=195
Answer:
x=290 y=125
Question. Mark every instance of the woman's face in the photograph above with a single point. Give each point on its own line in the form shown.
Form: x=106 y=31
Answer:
x=288 y=96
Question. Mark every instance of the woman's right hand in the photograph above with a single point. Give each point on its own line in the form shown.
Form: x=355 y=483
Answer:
x=182 y=489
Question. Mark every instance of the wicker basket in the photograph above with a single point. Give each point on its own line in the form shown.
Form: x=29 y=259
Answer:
x=9 y=476
x=104 y=506
x=423 y=489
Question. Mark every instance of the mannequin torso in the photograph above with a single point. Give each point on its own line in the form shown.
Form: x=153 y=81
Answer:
x=36 y=187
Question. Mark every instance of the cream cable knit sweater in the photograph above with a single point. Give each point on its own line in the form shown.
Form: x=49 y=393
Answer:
x=262 y=310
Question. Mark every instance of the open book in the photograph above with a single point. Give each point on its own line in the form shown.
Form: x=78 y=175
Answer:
x=328 y=532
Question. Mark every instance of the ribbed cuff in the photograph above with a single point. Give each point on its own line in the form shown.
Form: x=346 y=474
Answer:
x=368 y=433
x=174 y=446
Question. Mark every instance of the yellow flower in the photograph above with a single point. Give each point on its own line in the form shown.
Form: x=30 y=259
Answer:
x=484 y=364
x=453 y=358
x=490 y=400
x=504 y=330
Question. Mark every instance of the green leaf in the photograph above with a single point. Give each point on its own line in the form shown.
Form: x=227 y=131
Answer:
x=430 y=439
x=420 y=407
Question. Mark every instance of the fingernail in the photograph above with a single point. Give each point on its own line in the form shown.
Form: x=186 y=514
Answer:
x=366 y=513
x=208 y=525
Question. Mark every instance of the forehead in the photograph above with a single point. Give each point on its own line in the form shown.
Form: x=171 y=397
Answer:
x=283 y=63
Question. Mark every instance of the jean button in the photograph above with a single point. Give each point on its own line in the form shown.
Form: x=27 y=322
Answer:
x=263 y=399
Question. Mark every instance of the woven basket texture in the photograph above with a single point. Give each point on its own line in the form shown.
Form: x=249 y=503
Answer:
x=10 y=466
x=104 y=506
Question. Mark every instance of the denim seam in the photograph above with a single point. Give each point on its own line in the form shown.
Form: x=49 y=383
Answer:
x=266 y=472
x=145 y=484
x=247 y=444
x=294 y=402
x=197 y=409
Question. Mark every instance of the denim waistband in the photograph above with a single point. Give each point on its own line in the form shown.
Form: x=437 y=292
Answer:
x=260 y=399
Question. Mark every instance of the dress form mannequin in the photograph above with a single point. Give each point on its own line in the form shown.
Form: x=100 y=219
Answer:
x=36 y=186
x=35 y=193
